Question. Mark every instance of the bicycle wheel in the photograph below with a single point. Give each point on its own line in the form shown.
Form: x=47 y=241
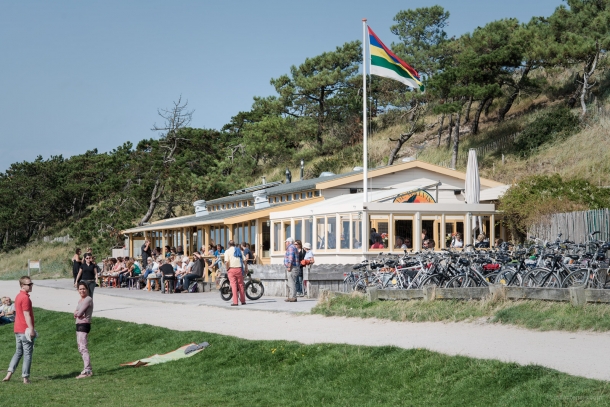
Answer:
x=533 y=278
x=505 y=276
x=460 y=281
x=254 y=290
x=576 y=278
x=433 y=280
x=360 y=286
x=225 y=291
x=348 y=284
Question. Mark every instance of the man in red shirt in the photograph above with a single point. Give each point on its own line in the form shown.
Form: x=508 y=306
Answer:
x=24 y=322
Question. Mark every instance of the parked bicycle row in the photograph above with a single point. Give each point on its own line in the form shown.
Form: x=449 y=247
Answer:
x=560 y=264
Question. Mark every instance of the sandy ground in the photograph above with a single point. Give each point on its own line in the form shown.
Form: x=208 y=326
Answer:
x=581 y=354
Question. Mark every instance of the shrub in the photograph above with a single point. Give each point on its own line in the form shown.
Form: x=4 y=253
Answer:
x=556 y=124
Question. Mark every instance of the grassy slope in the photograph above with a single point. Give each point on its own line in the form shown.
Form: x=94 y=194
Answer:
x=55 y=260
x=542 y=315
x=237 y=372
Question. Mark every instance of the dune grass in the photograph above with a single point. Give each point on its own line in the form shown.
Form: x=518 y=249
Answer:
x=237 y=372
x=55 y=259
x=531 y=314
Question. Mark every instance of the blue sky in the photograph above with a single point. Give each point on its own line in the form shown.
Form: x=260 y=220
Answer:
x=78 y=75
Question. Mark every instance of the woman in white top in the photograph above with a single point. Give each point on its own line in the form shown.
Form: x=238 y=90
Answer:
x=457 y=241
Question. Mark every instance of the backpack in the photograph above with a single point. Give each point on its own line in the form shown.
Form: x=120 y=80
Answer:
x=193 y=287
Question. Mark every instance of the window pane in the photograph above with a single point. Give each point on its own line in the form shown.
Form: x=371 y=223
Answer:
x=356 y=234
x=320 y=232
x=308 y=231
x=287 y=230
x=332 y=233
x=298 y=229
x=266 y=232
x=253 y=241
x=379 y=232
x=403 y=232
x=277 y=228
x=344 y=232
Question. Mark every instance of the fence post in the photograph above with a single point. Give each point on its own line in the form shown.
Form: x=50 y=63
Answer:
x=577 y=296
x=372 y=294
x=430 y=293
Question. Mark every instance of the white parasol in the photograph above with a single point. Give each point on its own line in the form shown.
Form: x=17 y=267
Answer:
x=473 y=184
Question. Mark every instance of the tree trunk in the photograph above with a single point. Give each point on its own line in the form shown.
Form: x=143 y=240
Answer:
x=467 y=116
x=486 y=108
x=320 y=119
x=450 y=130
x=440 y=129
x=511 y=99
x=399 y=142
x=477 y=115
x=456 y=142
x=154 y=199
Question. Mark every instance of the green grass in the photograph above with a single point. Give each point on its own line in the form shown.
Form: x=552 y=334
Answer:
x=541 y=315
x=237 y=372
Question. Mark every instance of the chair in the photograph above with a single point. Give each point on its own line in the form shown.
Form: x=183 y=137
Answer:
x=157 y=283
x=133 y=282
x=170 y=284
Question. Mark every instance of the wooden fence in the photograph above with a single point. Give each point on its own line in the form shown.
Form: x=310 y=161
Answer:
x=575 y=295
x=575 y=226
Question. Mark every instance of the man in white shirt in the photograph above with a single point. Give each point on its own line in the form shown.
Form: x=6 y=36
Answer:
x=236 y=267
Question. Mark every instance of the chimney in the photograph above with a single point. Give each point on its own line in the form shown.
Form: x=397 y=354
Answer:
x=288 y=176
x=200 y=208
x=302 y=169
x=260 y=199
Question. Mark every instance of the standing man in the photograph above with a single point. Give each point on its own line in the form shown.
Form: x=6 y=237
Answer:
x=167 y=273
x=87 y=273
x=291 y=262
x=196 y=271
x=236 y=266
x=24 y=322
x=146 y=252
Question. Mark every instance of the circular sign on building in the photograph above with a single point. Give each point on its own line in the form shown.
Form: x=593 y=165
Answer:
x=418 y=196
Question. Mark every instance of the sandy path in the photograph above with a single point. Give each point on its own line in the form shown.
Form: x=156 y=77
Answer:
x=581 y=354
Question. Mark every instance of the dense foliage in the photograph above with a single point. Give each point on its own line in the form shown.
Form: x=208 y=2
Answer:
x=316 y=115
x=539 y=195
x=553 y=125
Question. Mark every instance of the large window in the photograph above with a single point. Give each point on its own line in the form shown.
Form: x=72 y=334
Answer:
x=288 y=230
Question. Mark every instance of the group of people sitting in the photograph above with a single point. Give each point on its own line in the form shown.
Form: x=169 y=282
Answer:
x=175 y=268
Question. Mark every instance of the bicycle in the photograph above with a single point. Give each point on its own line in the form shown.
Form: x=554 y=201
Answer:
x=253 y=287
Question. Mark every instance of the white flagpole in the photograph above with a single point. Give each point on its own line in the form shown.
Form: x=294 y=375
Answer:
x=364 y=129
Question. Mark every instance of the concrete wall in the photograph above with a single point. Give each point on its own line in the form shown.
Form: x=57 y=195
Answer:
x=318 y=278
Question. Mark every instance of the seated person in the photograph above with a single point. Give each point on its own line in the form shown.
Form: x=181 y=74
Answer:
x=167 y=270
x=408 y=243
x=498 y=242
x=457 y=241
x=428 y=244
x=482 y=241
x=400 y=243
x=377 y=244
x=7 y=311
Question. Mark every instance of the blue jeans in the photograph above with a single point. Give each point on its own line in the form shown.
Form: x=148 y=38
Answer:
x=25 y=348
x=6 y=320
x=299 y=284
x=187 y=280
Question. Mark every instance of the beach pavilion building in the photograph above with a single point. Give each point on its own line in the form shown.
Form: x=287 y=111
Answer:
x=406 y=202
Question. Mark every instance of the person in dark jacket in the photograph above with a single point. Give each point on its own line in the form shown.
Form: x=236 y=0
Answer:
x=196 y=270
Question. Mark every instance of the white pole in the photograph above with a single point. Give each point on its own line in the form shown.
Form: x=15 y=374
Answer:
x=364 y=135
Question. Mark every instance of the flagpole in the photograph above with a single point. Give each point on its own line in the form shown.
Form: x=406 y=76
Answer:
x=364 y=125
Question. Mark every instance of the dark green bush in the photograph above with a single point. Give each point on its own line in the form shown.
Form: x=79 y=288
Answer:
x=555 y=124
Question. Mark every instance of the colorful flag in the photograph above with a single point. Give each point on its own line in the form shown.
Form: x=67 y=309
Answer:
x=385 y=63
